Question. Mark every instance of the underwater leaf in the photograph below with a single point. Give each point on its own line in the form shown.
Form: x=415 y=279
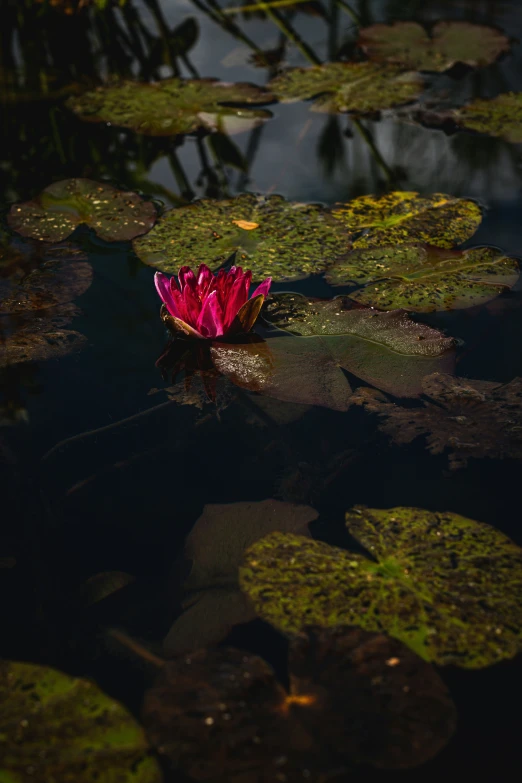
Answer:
x=424 y=278
x=448 y=587
x=271 y=236
x=115 y=215
x=408 y=44
x=54 y=727
x=184 y=37
x=467 y=418
x=361 y=88
x=500 y=116
x=174 y=106
x=404 y=217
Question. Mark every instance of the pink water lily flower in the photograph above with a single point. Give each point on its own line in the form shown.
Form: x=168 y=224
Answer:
x=210 y=306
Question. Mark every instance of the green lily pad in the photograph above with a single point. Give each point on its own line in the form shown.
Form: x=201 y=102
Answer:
x=39 y=336
x=174 y=106
x=404 y=217
x=115 y=215
x=388 y=350
x=423 y=278
x=448 y=587
x=500 y=116
x=360 y=88
x=408 y=44
x=467 y=418
x=58 y=728
x=270 y=235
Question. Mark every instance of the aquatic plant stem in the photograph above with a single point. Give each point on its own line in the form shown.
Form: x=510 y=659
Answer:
x=368 y=139
x=180 y=176
x=215 y=13
x=290 y=33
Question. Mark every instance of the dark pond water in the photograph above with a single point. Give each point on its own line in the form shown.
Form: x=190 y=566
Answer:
x=103 y=471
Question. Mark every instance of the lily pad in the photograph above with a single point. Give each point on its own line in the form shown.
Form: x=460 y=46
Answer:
x=404 y=217
x=115 y=215
x=500 y=116
x=388 y=350
x=55 y=727
x=174 y=106
x=360 y=88
x=408 y=44
x=270 y=236
x=468 y=419
x=221 y=715
x=423 y=278
x=448 y=587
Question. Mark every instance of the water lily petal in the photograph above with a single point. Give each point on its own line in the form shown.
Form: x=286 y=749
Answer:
x=237 y=297
x=192 y=304
x=163 y=287
x=187 y=279
x=205 y=278
x=263 y=288
x=210 y=321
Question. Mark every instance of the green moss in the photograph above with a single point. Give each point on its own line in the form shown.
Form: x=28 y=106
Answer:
x=501 y=116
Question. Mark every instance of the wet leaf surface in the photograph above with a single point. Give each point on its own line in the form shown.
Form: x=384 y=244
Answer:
x=403 y=217
x=270 y=236
x=448 y=587
x=221 y=715
x=500 y=116
x=174 y=106
x=408 y=44
x=360 y=88
x=464 y=417
x=115 y=215
x=423 y=278
x=55 y=727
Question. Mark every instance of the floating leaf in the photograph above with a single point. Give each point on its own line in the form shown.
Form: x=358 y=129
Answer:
x=361 y=88
x=403 y=217
x=408 y=44
x=500 y=116
x=174 y=106
x=58 y=728
x=388 y=350
x=424 y=278
x=221 y=715
x=102 y=585
x=467 y=418
x=289 y=242
x=448 y=587
x=115 y=215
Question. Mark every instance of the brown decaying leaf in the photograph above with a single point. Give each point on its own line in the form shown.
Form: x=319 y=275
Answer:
x=467 y=418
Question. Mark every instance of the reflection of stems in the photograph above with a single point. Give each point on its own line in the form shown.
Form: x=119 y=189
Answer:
x=164 y=32
x=348 y=10
x=250 y=154
x=290 y=33
x=180 y=176
x=367 y=137
x=211 y=175
x=332 y=29
x=216 y=14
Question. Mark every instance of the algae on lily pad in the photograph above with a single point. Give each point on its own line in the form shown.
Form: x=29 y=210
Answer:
x=270 y=236
x=360 y=88
x=115 y=215
x=424 y=278
x=174 y=106
x=408 y=44
x=466 y=418
x=448 y=587
x=54 y=727
x=500 y=116
x=405 y=217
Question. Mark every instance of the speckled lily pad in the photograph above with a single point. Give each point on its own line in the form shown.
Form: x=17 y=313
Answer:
x=448 y=587
x=39 y=336
x=424 y=279
x=361 y=88
x=408 y=44
x=174 y=106
x=115 y=215
x=55 y=727
x=271 y=236
x=500 y=116
x=403 y=217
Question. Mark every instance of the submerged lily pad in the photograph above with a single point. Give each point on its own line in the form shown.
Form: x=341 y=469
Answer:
x=55 y=727
x=387 y=350
x=424 y=278
x=464 y=417
x=448 y=587
x=500 y=116
x=271 y=236
x=404 y=217
x=174 y=106
x=221 y=714
x=40 y=336
x=115 y=215
x=408 y=44
x=361 y=88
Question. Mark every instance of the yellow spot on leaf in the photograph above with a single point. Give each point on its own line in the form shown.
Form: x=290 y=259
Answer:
x=245 y=225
